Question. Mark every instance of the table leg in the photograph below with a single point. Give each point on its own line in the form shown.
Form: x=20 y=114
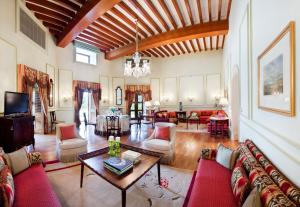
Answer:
x=187 y=124
x=158 y=172
x=123 y=198
x=81 y=175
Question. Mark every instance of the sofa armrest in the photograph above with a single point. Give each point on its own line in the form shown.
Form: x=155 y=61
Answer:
x=208 y=154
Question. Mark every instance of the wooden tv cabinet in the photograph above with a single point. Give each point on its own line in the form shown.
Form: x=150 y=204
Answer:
x=16 y=132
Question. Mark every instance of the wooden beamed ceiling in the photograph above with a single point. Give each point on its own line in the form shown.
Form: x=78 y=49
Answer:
x=165 y=27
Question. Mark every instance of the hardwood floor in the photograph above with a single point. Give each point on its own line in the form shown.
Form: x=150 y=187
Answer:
x=187 y=145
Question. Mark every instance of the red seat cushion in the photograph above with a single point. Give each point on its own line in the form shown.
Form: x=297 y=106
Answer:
x=212 y=187
x=162 y=133
x=67 y=132
x=33 y=189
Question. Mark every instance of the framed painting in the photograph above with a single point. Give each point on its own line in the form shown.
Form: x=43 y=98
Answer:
x=276 y=70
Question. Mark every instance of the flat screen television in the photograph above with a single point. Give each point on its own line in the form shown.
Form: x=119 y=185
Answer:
x=15 y=103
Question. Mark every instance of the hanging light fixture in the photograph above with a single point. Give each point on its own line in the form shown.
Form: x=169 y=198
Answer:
x=136 y=66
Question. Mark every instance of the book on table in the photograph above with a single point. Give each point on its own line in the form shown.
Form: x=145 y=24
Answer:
x=118 y=165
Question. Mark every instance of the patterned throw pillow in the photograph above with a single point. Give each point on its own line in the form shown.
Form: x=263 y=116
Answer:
x=7 y=191
x=34 y=158
x=240 y=184
x=208 y=154
x=247 y=158
x=194 y=115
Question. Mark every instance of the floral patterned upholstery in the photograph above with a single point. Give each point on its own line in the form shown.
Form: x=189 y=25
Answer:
x=208 y=154
x=7 y=192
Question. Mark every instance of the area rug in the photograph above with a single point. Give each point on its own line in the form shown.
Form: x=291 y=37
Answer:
x=181 y=127
x=97 y=192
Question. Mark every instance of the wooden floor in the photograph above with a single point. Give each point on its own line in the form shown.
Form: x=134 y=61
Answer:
x=187 y=145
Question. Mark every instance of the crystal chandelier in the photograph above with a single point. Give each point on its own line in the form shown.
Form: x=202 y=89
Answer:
x=136 y=66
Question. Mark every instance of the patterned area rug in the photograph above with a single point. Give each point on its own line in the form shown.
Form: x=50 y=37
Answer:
x=97 y=192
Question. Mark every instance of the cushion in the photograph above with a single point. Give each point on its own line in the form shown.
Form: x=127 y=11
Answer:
x=206 y=113
x=68 y=132
x=208 y=154
x=194 y=115
x=158 y=144
x=7 y=191
x=17 y=161
x=172 y=114
x=165 y=114
x=233 y=158
x=162 y=132
x=224 y=156
x=35 y=158
x=253 y=199
x=159 y=115
x=73 y=143
x=240 y=184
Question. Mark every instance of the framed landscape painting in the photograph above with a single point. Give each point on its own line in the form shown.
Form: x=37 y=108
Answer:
x=276 y=69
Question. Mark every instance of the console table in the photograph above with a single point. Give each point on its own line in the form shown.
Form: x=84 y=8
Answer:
x=16 y=132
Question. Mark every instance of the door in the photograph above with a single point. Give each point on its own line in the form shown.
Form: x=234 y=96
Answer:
x=88 y=107
x=136 y=107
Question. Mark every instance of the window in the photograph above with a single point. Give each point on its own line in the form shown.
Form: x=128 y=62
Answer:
x=136 y=107
x=85 y=56
x=36 y=101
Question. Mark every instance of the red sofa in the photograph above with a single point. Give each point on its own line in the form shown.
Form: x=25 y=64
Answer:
x=33 y=189
x=205 y=114
x=165 y=116
x=211 y=183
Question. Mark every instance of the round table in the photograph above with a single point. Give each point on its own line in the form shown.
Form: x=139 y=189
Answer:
x=217 y=124
x=101 y=124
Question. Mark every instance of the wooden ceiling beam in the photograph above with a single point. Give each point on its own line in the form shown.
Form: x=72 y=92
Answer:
x=133 y=15
x=163 y=51
x=51 y=25
x=199 y=7
x=127 y=21
x=52 y=6
x=167 y=47
x=109 y=32
x=209 y=10
x=96 y=36
x=186 y=47
x=152 y=53
x=188 y=8
x=158 y=52
x=157 y=14
x=180 y=47
x=50 y=19
x=175 y=49
x=96 y=40
x=145 y=14
x=228 y=9
x=178 y=12
x=198 y=44
x=115 y=29
x=89 y=12
x=193 y=46
x=181 y=34
x=101 y=47
x=48 y=12
x=70 y=4
x=107 y=37
x=168 y=13
x=147 y=53
x=219 y=9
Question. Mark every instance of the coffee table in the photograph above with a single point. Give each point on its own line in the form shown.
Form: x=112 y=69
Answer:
x=94 y=161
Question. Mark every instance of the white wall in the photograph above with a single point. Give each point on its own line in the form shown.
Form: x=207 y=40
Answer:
x=16 y=48
x=173 y=69
x=276 y=135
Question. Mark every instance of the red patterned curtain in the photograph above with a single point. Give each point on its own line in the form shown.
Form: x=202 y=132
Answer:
x=132 y=90
x=26 y=79
x=78 y=88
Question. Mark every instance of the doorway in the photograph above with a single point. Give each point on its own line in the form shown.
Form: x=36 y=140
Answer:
x=136 y=107
x=88 y=108
x=37 y=111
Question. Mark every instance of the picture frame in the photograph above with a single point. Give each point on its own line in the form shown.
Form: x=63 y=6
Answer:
x=276 y=74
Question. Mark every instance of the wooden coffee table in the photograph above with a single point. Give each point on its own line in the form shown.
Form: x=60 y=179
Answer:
x=94 y=161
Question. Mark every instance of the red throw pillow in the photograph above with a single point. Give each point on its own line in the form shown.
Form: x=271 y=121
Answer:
x=162 y=133
x=67 y=132
x=172 y=114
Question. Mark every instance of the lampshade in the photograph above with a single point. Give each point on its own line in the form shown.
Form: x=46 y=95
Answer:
x=223 y=101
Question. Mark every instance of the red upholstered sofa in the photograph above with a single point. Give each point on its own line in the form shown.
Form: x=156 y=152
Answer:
x=33 y=189
x=211 y=183
x=165 y=116
x=205 y=114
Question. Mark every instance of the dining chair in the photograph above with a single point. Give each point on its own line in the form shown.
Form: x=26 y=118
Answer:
x=113 y=125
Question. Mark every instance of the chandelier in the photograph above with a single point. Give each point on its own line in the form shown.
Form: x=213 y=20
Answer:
x=136 y=66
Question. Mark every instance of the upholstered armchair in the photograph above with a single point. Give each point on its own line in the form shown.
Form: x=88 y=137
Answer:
x=167 y=147
x=68 y=149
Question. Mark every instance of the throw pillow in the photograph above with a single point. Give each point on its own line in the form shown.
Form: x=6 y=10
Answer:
x=17 y=161
x=35 y=158
x=67 y=132
x=224 y=156
x=253 y=199
x=162 y=133
x=208 y=154
x=235 y=154
x=7 y=191
x=240 y=184
x=194 y=115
